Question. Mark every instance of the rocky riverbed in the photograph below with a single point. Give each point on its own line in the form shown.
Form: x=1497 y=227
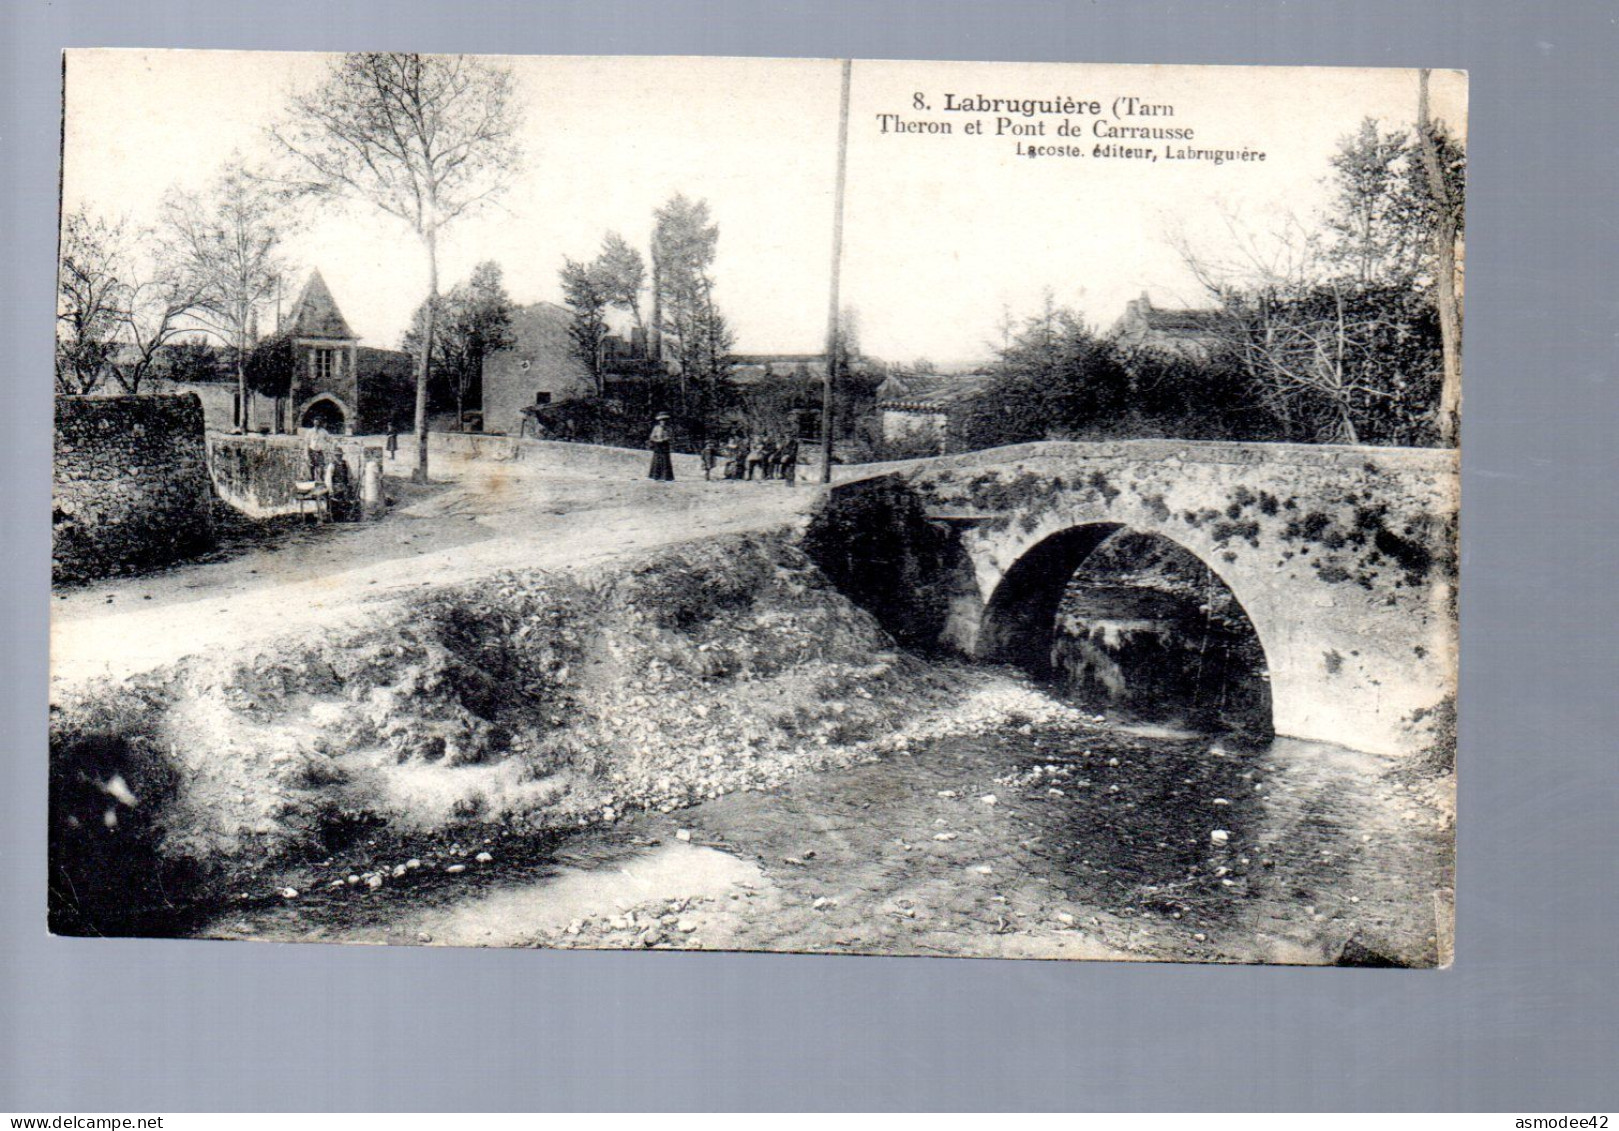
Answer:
x=1010 y=826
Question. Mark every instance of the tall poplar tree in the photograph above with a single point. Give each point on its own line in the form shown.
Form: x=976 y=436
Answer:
x=425 y=139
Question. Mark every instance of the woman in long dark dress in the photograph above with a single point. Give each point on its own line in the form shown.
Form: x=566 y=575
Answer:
x=663 y=467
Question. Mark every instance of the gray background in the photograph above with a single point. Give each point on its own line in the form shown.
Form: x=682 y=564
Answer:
x=1524 y=1021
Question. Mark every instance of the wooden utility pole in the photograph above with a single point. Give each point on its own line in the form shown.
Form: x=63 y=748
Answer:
x=832 y=343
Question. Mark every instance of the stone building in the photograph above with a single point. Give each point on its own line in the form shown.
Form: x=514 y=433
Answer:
x=541 y=367
x=1193 y=334
x=336 y=382
x=917 y=409
x=537 y=369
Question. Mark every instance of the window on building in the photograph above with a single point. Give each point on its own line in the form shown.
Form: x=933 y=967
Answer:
x=325 y=363
x=542 y=398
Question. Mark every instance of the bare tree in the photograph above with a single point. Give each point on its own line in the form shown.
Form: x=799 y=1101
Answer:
x=87 y=286
x=120 y=300
x=1316 y=354
x=226 y=242
x=425 y=139
x=1280 y=251
x=157 y=299
x=152 y=310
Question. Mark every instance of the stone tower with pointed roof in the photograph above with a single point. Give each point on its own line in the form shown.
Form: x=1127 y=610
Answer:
x=325 y=376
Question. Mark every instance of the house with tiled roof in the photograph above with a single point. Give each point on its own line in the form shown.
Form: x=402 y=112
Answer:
x=918 y=408
x=1192 y=333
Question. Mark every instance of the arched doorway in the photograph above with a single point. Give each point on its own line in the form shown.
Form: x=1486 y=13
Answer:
x=1133 y=624
x=324 y=412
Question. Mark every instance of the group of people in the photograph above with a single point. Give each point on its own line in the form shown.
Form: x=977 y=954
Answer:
x=742 y=457
x=753 y=457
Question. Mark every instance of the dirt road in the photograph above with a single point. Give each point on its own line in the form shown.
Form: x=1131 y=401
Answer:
x=477 y=517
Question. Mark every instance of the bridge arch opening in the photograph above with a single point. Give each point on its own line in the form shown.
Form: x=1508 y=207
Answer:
x=1133 y=624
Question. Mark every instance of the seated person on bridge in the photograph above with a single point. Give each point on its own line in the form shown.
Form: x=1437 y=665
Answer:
x=315 y=491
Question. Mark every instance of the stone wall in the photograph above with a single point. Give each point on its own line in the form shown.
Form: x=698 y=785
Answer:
x=218 y=401
x=256 y=474
x=131 y=484
x=596 y=458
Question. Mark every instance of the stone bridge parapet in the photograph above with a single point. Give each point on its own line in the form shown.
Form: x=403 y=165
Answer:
x=1344 y=559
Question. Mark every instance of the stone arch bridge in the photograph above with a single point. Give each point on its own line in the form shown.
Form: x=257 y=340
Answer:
x=1343 y=558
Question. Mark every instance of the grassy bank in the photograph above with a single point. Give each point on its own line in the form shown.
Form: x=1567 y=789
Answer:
x=524 y=700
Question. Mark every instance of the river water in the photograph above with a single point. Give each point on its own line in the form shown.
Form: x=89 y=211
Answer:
x=1167 y=823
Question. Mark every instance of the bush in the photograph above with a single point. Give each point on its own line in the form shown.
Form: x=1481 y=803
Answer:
x=111 y=788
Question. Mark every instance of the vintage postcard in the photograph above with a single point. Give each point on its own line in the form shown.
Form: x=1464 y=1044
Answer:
x=879 y=507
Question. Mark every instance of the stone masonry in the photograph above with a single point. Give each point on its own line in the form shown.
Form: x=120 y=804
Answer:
x=131 y=487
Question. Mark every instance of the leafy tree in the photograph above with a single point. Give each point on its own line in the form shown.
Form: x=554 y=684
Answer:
x=774 y=403
x=1207 y=397
x=425 y=139
x=1054 y=379
x=587 y=293
x=622 y=274
x=1371 y=236
x=712 y=363
x=854 y=407
x=194 y=361
x=473 y=321
x=1350 y=331
x=684 y=242
x=269 y=365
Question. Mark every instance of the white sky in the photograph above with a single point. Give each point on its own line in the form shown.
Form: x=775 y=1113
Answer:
x=940 y=232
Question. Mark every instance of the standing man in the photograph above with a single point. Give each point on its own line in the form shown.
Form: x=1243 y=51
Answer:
x=711 y=456
x=663 y=467
x=789 y=460
x=756 y=456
